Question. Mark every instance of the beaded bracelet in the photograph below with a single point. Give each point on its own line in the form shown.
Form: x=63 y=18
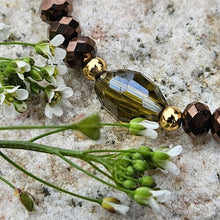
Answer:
x=125 y=94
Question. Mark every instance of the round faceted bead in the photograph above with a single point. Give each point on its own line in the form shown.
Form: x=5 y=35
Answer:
x=94 y=68
x=196 y=119
x=79 y=51
x=171 y=118
x=54 y=10
x=127 y=94
x=67 y=26
x=215 y=126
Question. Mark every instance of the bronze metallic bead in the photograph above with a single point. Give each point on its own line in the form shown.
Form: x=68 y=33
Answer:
x=94 y=68
x=170 y=118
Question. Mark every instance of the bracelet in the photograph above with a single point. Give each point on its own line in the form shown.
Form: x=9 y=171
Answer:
x=125 y=94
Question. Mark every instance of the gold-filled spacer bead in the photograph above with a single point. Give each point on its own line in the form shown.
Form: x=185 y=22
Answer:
x=170 y=118
x=94 y=68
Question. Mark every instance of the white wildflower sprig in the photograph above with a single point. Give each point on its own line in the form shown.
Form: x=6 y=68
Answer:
x=12 y=99
x=4 y=31
x=149 y=197
x=140 y=126
x=162 y=158
x=57 y=97
x=50 y=49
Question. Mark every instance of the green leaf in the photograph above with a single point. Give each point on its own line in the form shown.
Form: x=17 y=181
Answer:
x=90 y=126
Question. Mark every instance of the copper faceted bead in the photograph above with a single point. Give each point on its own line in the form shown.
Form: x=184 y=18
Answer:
x=196 y=119
x=215 y=126
x=79 y=51
x=54 y=10
x=67 y=26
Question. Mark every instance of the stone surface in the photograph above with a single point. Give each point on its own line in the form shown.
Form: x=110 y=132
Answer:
x=54 y=10
x=174 y=43
x=196 y=119
x=67 y=26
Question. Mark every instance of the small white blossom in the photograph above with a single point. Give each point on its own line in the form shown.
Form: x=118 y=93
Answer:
x=4 y=31
x=57 y=98
x=114 y=205
x=22 y=67
x=8 y=99
x=147 y=196
x=167 y=165
x=140 y=126
x=51 y=50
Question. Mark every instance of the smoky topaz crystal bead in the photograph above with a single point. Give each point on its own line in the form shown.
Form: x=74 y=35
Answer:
x=196 y=119
x=127 y=94
x=215 y=126
x=54 y=10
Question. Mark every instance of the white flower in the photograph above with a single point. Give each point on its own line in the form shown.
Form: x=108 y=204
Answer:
x=22 y=67
x=51 y=50
x=4 y=31
x=147 y=196
x=140 y=126
x=114 y=205
x=54 y=73
x=56 y=99
x=11 y=99
x=166 y=164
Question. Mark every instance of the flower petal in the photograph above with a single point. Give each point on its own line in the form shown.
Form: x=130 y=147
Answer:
x=171 y=167
x=59 y=54
x=8 y=110
x=175 y=151
x=150 y=133
x=122 y=209
x=154 y=205
x=57 y=40
x=62 y=69
x=12 y=90
x=161 y=195
x=53 y=110
x=66 y=103
x=68 y=92
x=21 y=94
x=149 y=124
x=21 y=76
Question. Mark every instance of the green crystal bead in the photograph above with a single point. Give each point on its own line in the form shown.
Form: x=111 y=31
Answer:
x=127 y=94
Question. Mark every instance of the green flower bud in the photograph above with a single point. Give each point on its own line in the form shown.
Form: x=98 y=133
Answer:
x=28 y=60
x=35 y=88
x=20 y=106
x=140 y=165
x=158 y=155
x=148 y=181
x=129 y=184
x=90 y=126
x=130 y=171
x=141 y=194
x=145 y=151
x=137 y=156
x=36 y=74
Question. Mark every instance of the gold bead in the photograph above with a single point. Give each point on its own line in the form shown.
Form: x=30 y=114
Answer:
x=94 y=68
x=171 y=118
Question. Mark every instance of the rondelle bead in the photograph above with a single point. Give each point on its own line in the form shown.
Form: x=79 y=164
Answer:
x=170 y=118
x=67 y=26
x=54 y=10
x=94 y=68
x=127 y=94
x=215 y=125
x=196 y=119
x=79 y=51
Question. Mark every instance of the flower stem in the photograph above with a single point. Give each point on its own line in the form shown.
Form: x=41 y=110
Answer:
x=7 y=182
x=126 y=125
x=47 y=134
x=19 y=43
x=47 y=183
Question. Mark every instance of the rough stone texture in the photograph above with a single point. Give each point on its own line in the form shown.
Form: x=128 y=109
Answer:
x=177 y=45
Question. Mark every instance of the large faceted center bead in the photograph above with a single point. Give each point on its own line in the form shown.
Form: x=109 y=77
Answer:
x=127 y=94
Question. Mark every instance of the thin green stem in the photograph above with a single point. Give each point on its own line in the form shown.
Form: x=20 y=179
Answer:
x=19 y=43
x=115 y=124
x=99 y=170
x=47 y=183
x=71 y=126
x=47 y=134
x=5 y=58
x=7 y=182
x=107 y=151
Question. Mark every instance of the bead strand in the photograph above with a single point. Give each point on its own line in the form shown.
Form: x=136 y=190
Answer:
x=196 y=119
